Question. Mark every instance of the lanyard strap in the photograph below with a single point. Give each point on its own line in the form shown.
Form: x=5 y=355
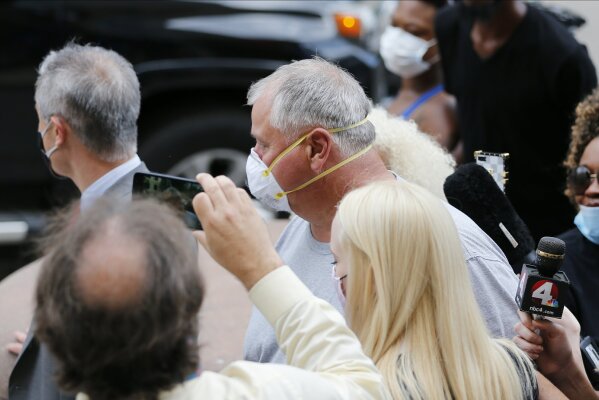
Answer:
x=334 y=168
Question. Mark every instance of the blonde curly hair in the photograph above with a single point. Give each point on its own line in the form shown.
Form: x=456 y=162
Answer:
x=411 y=154
x=584 y=130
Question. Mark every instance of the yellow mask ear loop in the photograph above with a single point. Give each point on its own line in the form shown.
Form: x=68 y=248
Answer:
x=334 y=168
x=345 y=128
x=283 y=154
x=301 y=139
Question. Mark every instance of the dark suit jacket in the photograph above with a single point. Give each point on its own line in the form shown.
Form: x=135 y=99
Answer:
x=32 y=377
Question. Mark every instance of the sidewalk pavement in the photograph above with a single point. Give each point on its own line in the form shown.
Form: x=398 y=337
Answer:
x=223 y=317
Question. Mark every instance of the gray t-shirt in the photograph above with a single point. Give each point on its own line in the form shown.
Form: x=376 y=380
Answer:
x=493 y=281
x=311 y=261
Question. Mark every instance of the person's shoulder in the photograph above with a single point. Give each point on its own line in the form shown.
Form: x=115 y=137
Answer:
x=211 y=385
x=437 y=118
x=447 y=18
x=475 y=242
x=576 y=258
x=571 y=236
x=447 y=27
x=439 y=104
x=123 y=187
x=551 y=33
x=462 y=222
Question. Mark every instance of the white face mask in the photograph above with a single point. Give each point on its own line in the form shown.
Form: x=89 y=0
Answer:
x=48 y=153
x=264 y=188
x=402 y=52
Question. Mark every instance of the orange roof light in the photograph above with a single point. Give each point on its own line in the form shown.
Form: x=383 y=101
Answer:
x=348 y=25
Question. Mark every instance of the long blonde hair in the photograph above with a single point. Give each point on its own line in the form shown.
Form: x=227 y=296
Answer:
x=410 y=302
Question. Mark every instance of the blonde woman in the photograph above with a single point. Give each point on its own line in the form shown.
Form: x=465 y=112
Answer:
x=399 y=261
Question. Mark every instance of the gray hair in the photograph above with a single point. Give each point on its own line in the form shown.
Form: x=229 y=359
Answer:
x=314 y=93
x=97 y=92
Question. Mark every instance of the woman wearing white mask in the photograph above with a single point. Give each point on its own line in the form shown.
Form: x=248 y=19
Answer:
x=408 y=48
x=581 y=263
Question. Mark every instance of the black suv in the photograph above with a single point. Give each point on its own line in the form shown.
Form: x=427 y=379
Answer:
x=195 y=61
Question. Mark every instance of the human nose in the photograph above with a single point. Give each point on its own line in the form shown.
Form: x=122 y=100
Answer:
x=258 y=150
x=593 y=189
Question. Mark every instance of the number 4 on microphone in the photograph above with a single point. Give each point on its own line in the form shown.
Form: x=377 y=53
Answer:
x=545 y=293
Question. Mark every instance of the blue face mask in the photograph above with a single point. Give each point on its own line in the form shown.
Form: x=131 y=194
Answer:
x=587 y=221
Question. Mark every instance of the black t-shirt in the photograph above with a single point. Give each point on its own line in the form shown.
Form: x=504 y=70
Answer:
x=521 y=100
x=581 y=265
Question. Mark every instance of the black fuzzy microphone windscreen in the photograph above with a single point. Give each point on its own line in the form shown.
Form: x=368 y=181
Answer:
x=472 y=190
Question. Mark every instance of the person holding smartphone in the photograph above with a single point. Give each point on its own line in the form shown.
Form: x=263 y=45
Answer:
x=118 y=298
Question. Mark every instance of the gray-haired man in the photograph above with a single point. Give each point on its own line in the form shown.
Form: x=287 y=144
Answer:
x=87 y=100
x=313 y=145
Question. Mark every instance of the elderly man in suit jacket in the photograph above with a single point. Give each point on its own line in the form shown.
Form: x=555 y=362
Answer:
x=87 y=100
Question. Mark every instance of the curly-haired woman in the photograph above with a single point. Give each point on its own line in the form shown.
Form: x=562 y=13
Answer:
x=582 y=243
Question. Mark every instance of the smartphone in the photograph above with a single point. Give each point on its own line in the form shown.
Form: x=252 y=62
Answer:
x=496 y=164
x=172 y=190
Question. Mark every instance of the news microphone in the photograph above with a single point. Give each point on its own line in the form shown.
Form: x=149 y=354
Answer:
x=472 y=190
x=541 y=284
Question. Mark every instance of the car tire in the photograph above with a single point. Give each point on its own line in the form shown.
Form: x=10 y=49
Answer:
x=214 y=142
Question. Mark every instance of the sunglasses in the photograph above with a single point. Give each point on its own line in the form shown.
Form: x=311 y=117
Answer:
x=580 y=179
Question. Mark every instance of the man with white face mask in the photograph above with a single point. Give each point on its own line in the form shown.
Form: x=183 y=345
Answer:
x=313 y=145
x=87 y=101
x=409 y=49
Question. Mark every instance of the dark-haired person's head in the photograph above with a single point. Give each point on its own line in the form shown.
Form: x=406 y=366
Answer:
x=408 y=46
x=582 y=163
x=417 y=17
x=117 y=301
x=582 y=160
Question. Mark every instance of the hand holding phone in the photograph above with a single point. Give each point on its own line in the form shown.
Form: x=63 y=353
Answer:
x=172 y=190
x=234 y=233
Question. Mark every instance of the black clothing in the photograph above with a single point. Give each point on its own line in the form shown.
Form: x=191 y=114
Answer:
x=581 y=265
x=520 y=100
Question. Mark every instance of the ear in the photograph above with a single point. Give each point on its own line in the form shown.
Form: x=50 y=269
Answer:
x=319 y=145
x=62 y=129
